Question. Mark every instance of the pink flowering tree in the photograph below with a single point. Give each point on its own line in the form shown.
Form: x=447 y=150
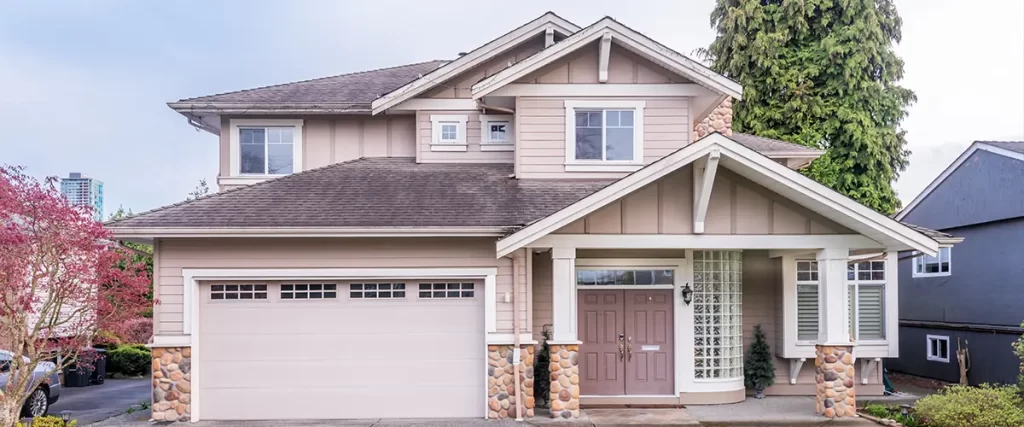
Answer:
x=63 y=279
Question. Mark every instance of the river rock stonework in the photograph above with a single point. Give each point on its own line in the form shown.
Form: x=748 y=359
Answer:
x=834 y=375
x=565 y=381
x=172 y=384
x=501 y=386
x=720 y=120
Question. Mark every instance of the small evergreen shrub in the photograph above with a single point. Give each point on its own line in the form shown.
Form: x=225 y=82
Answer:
x=759 y=366
x=542 y=371
x=129 y=361
x=963 y=406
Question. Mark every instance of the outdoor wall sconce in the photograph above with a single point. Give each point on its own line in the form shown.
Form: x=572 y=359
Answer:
x=687 y=294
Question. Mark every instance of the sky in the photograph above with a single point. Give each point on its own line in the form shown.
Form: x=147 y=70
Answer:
x=84 y=85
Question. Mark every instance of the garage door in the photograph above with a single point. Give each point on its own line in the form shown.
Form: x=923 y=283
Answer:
x=341 y=350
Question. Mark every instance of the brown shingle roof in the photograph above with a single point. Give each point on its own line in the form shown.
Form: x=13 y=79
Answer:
x=768 y=146
x=381 y=192
x=354 y=88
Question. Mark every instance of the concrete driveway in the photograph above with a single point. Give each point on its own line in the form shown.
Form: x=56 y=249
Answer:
x=99 y=402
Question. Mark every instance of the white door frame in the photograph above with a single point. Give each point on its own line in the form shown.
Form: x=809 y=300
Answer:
x=192 y=298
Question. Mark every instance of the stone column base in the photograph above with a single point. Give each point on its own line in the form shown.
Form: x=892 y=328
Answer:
x=565 y=381
x=501 y=386
x=835 y=377
x=172 y=384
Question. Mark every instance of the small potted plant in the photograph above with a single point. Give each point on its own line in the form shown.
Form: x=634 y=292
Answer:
x=759 y=368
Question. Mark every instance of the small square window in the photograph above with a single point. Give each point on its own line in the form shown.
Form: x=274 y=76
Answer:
x=308 y=291
x=449 y=132
x=377 y=291
x=238 y=292
x=938 y=348
x=445 y=290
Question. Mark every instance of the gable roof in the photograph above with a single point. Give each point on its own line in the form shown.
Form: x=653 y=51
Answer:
x=476 y=57
x=624 y=36
x=1011 y=149
x=353 y=92
x=775 y=147
x=753 y=166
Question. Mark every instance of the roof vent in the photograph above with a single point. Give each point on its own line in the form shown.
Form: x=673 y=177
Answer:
x=461 y=54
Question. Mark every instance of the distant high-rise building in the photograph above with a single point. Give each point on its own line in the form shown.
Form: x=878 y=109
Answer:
x=84 y=191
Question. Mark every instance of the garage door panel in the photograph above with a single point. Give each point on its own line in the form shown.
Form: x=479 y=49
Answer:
x=282 y=318
x=299 y=347
x=328 y=373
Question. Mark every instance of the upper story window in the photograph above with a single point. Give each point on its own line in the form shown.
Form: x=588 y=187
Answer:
x=604 y=135
x=927 y=265
x=496 y=133
x=448 y=132
x=261 y=148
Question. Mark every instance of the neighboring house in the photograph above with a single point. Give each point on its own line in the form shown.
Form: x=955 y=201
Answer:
x=393 y=243
x=972 y=295
x=84 y=191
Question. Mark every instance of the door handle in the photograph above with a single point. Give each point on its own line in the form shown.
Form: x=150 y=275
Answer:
x=622 y=349
x=629 y=348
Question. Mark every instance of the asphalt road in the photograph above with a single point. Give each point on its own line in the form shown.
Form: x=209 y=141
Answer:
x=99 y=402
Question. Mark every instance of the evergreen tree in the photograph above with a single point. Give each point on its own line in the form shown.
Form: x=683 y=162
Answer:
x=821 y=73
x=759 y=368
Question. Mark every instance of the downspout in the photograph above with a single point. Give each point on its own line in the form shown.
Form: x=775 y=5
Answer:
x=516 y=357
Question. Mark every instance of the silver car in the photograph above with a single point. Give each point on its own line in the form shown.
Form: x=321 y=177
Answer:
x=47 y=388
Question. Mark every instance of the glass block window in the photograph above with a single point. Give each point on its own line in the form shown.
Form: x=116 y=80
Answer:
x=717 y=316
x=376 y=290
x=238 y=292
x=307 y=291
x=446 y=290
x=597 y=277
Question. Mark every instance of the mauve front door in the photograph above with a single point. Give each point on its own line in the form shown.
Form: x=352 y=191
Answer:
x=626 y=342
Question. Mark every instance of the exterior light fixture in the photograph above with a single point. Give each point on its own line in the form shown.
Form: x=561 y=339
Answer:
x=687 y=294
x=65 y=416
x=905 y=410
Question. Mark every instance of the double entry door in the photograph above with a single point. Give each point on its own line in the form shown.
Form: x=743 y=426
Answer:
x=627 y=342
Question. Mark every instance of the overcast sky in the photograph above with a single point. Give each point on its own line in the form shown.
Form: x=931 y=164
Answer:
x=83 y=85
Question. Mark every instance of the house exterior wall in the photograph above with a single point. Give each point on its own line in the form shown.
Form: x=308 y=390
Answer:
x=991 y=360
x=473 y=154
x=737 y=206
x=172 y=255
x=581 y=67
x=986 y=187
x=461 y=86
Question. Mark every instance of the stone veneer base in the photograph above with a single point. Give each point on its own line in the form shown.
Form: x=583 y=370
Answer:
x=565 y=381
x=172 y=384
x=835 y=379
x=501 y=386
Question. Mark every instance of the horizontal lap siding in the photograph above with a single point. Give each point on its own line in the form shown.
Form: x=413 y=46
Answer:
x=173 y=255
x=541 y=127
x=473 y=153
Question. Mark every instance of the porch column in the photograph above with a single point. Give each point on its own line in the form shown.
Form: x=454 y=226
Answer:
x=564 y=345
x=834 y=363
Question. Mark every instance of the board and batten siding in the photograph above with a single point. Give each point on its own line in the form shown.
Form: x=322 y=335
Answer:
x=737 y=206
x=581 y=67
x=473 y=153
x=461 y=86
x=541 y=133
x=173 y=255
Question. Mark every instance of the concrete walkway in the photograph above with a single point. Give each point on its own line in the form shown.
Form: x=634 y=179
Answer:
x=770 y=411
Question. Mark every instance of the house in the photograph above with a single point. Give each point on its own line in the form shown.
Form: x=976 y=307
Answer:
x=969 y=296
x=393 y=243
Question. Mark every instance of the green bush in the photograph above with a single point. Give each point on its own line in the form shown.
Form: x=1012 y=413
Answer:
x=962 y=406
x=129 y=361
x=50 y=421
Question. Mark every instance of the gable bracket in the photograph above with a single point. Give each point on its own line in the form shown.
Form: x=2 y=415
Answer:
x=703 y=179
x=549 y=37
x=606 y=49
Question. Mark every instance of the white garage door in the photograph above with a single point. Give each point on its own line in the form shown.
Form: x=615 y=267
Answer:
x=341 y=350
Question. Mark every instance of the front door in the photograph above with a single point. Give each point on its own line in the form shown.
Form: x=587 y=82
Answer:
x=627 y=344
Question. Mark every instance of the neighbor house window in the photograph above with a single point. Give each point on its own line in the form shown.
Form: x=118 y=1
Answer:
x=604 y=133
x=446 y=290
x=306 y=291
x=938 y=348
x=266 y=150
x=238 y=292
x=927 y=265
x=448 y=132
x=496 y=132
x=717 y=315
x=376 y=290
x=866 y=299
x=807 y=300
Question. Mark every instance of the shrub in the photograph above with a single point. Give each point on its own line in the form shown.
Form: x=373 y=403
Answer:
x=963 y=406
x=1018 y=349
x=541 y=371
x=137 y=330
x=759 y=366
x=129 y=361
x=50 y=421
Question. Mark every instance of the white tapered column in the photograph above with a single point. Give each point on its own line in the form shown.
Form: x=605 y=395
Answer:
x=563 y=298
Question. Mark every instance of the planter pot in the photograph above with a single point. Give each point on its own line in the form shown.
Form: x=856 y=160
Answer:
x=759 y=392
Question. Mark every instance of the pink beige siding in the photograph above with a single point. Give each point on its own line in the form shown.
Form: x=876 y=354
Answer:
x=173 y=255
x=541 y=294
x=582 y=66
x=461 y=86
x=473 y=153
x=737 y=206
x=541 y=131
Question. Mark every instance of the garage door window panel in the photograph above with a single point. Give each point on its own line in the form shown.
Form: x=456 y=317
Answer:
x=309 y=291
x=238 y=292
x=377 y=291
x=446 y=290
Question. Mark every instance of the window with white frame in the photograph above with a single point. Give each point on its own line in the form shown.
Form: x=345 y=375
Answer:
x=495 y=130
x=266 y=150
x=238 y=292
x=807 y=300
x=717 y=315
x=448 y=132
x=866 y=300
x=927 y=265
x=604 y=132
x=938 y=348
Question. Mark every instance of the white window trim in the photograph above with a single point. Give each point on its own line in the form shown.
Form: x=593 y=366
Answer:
x=796 y=309
x=235 y=176
x=929 y=340
x=485 y=133
x=573 y=165
x=459 y=144
x=919 y=260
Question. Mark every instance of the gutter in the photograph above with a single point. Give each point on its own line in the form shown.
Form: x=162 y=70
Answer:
x=228 y=232
x=268 y=108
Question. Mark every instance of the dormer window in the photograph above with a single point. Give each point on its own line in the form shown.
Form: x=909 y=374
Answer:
x=605 y=136
x=449 y=132
x=263 y=148
x=496 y=133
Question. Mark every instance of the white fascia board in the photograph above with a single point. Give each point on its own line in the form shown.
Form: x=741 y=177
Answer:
x=624 y=36
x=822 y=198
x=977 y=145
x=161 y=232
x=476 y=57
